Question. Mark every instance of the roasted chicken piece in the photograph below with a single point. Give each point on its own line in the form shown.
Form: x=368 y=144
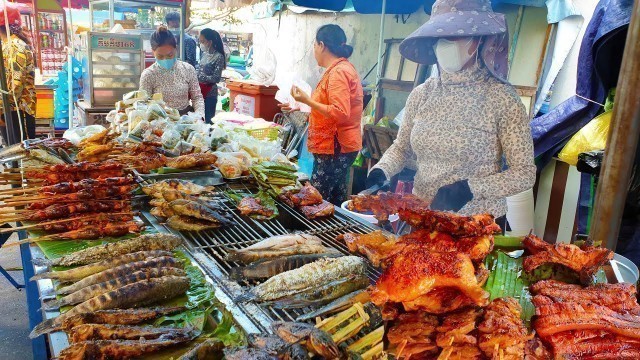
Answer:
x=384 y=204
x=250 y=205
x=145 y=162
x=456 y=336
x=322 y=210
x=412 y=336
x=95 y=152
x=477 y=247
x=585 y=262
x=449 y=223
x=415 y=272
x=307 y=196
x=192 y=161
x=618 y=297
x=376 y=246
x=502 y=333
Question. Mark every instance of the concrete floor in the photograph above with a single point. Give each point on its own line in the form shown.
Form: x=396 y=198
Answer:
x=14 y=321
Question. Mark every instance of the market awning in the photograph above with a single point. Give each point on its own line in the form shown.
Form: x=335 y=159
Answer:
x=364 y=6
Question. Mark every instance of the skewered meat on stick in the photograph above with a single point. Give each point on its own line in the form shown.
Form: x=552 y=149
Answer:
x=585 y=262
x=79 y=167
x=95 y=152
x=84 y=220
x=56 y=178
x=93 y=231
x=53 y=143
x=64 y=210
x=191 y=161
x=104 y=193
x=502 y=333
x=71 y=187
x=415 y=275
x=145 y=162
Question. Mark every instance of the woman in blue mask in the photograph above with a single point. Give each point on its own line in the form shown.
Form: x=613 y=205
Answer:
x=176 y=80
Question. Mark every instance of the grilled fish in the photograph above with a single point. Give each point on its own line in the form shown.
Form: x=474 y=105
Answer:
x=323 y=294
x=137 y=294
x=210 y=349
x=119 y=317
x=283 y=241
x=269 y=267
x=187 y=187
x=94 y=254
x=249 y=257
x=248 y=354
x=306 y=277
x=87 y=270
x=339 y=304
x=187 y=223
x=317 y=341
x=120 y=349
x=86 y=332
x=198 y=211
x=119 y=271
x=101 y=288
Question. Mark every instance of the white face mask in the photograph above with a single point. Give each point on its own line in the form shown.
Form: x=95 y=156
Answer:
x=453 y=55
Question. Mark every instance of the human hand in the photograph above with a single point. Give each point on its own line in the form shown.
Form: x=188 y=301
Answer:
x=452 y=197
x=376 y=177
x=299 y=95
x=286 y=108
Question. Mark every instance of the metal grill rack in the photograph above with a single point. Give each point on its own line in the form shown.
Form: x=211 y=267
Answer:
x=214 y=245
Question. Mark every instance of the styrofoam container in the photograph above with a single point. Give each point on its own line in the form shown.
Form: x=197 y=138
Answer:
x=366 y=217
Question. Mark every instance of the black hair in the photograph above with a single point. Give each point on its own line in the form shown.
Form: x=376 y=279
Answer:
x=162 y=37
x=334 y=38
x=214 y=37
x=172 y=16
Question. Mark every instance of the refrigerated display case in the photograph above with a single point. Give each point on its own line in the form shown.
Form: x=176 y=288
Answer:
x=138 y=17
x=51 y=38
x=111 y=64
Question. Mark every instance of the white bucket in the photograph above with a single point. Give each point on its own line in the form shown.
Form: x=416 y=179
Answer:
x=520 y=213
x=368 y=218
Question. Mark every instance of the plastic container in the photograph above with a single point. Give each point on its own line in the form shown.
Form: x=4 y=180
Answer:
x=366 y=217
x=252 y=99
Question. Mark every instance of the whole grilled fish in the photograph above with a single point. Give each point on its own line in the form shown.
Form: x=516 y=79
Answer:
x=94 y=254
x=247 y=354
x=119 y=317
x=307 y=277
x=187 y=223
x=248 y=257
x=210 y=349
x=122 y=270
x=137 y=294
x=86 y=332
x=339 y=304
x=121 y=349
x=317 y=341
x=269 y=267
x=87 y=270
x=198 y=211
x=101 y=288
x=323 y=294
x=283 y=241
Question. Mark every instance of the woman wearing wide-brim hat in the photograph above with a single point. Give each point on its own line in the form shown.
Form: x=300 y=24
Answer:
x=461 y=124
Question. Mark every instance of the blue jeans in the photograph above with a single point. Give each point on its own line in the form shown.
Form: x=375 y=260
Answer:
x=210 y=103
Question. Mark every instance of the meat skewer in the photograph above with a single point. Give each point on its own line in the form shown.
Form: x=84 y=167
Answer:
x=78 y=167
x=71 y=187
x=53 y=223
x=92 y=232
x=103 y=193
x=65 y=210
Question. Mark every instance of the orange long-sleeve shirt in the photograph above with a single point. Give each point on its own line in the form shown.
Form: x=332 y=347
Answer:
x=341 y=91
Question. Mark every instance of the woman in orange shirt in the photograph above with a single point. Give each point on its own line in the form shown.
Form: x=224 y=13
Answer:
x=335 y=135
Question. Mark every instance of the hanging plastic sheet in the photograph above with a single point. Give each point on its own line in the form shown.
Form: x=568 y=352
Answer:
x=602 y=42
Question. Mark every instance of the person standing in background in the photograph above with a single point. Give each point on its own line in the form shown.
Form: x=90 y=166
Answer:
x=212 y=63
x=335 y=136
x=19 y=65
x=190 y=45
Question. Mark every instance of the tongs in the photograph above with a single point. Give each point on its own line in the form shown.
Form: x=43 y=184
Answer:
x=375 y=188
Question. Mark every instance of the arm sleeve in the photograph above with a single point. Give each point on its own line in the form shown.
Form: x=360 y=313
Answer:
x=211 y=73
x=395 y=158
x=514 y=134
x=195 y=92
x=339 y=96
x=145 y=82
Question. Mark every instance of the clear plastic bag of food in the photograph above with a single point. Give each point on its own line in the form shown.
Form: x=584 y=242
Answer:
x=198 y=140
x=173 y=114
x=230 y=166
x=139 y=130
x=135 y=116
x=133 y=96
x=155 y=111
x=111 y=116
x=184 y=147
x=159 y=125
x=170 y=138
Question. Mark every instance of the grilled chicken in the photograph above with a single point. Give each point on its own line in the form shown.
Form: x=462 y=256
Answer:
x=376 y=246
x=449 y=223
x=585 y=262
x=322 y=210
x=250 y=205
x=385 y=203
x=307 y=196
x=191 y=161
x=416 y=272
x=502 y=333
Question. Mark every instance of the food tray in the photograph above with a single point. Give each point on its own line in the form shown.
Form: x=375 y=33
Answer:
x=199 y=177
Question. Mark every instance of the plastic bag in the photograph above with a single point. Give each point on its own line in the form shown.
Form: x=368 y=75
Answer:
x=231 y=166
x=592 y=136
x=135 y=116
x=155 y=111
x=170 y=138
x=264 y=69
x=131 y=97
x=158 y=126
x=285 y=83
x=140 y=129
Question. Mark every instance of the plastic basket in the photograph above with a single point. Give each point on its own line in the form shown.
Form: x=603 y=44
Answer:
x=270 y=133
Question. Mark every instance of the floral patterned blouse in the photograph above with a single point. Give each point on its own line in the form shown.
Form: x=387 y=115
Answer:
x=459 y=126
x=178 y=86
x=18 y=59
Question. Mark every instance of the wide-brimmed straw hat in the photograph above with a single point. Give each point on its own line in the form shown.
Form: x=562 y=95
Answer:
x=462 y=18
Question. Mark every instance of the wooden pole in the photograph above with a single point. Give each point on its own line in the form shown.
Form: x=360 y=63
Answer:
x=623 y=141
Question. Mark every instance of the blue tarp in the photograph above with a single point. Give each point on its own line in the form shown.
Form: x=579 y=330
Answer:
x=598 y=67
x=366 y=6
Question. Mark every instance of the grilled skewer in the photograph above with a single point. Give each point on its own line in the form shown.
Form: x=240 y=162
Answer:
x=101 y=193
x=91 y=232
x=72 y=223
x=64 y=210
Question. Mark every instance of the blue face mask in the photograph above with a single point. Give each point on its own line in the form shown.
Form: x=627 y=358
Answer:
x=166 y=63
